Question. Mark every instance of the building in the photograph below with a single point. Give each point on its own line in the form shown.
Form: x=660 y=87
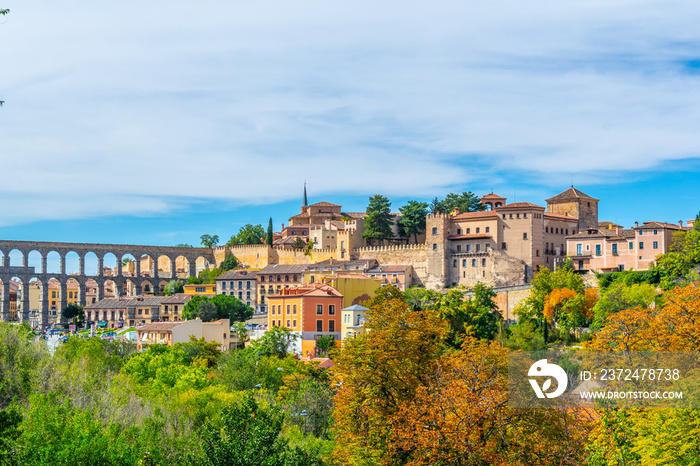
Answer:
x=353 y=321
x=400 y=276
x=616 y=249
x=107 y=313
x=169 y=333
x=242 y=284
x=274 y=278
x=503 y=246
x=311 y=311
x=355 y=288
x=171 y=307
x=202 y=289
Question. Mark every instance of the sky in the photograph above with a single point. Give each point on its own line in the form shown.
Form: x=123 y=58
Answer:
x=156 y=122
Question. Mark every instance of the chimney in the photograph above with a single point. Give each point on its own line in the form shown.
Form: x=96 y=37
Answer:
x=283 y=225
x=455 y=211
x=617 y=231
x=636 y=224
x=680 y=223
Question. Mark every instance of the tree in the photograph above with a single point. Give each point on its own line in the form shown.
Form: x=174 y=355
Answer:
x=217 y=307
x=248 y=234
x=173 y=287
x=209 y=241
x=465 y=202
x=183 y=245
x=246 y=434
x=619 y=297
x=379 y=219
x=325 y=343
x=74 y=311
x=477 y=316
x=276 y=341
x=230 y=262
x=269 y=233
x=298 y=243
x=412 y=221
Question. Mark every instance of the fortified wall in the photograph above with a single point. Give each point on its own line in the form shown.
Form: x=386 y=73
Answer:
x=410 y=254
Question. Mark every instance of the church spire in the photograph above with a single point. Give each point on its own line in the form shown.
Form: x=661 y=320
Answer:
x=306 y=201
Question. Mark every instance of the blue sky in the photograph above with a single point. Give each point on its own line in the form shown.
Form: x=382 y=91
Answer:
x=155 y=122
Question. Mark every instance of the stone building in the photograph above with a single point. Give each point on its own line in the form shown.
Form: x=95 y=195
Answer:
x=505 y=245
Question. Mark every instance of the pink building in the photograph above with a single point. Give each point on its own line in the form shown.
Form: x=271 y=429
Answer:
x=615 y=249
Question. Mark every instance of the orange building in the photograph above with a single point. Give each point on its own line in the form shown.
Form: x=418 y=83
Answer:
x=310 y=311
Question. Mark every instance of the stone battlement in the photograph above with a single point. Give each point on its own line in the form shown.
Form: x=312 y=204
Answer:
x=401 y=247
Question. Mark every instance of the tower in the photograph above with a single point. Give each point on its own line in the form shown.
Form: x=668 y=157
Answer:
x=577 y=204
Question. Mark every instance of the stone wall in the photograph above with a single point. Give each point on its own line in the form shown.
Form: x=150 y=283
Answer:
x=411 y=254
x=508 y=299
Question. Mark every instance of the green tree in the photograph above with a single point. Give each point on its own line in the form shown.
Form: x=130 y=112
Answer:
x=21 y=359
x=412 y=221
x=230 y=262
x=217 y=307
x=269 y=233
x=277 y=341
x=173 y=287
x=74 y=312
x=298 y=243
x=246 y=434
x=379 y=219
x=477 y=316
x=209 y=241
x=465 y=202
x=325 y=343
x=183 y=245
x=619 y=297
x=248 y=234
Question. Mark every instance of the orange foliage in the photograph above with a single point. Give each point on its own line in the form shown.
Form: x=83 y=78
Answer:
x=675 y=326
x=555 y=298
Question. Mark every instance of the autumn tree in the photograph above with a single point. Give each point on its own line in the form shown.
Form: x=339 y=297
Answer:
x=378 y=372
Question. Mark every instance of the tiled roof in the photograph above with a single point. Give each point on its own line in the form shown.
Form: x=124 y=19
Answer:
x=571 y=193
x=159 y=326
x=238 y=275
x=469 y=236
x=110 y=303
x=560 y=216
x=354 y=214
x=520 y=205
x=389 y=269
x=147 y=300
x=604 y=233
x=355 y=307
x=324 y=204
x=307 y=290
x=493 y=196
x=280 y=268
x=178 y=298
x=475 y=215
x=670 y=226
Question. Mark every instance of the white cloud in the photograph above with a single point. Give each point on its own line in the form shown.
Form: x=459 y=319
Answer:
x=136 y=103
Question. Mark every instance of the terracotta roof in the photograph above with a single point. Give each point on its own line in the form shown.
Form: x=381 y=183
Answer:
x=469 y=236
x=178 y=298
x=470 y=215
x=606 y=224
x=147 y=300
x=670 y=226
x=571 y=193
x=604 y=233
x=238 y=275
x=354 y=214
x=389 y=269
x=159 y=326
x=110 y=303
x=324 y=204
x=493 y=196
x=520 y=205
x=560 y=216
x=307 y=290
x=280 y=268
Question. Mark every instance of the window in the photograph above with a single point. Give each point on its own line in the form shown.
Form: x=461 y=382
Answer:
x=262 y=278
x=464 y=262
x=488 y=229
x=319 y=326
x=656 y=245
x=198 y=289
x=655 y=231
x=272 y=309
x=580 y=265
x=331 y=309
x=579 y=249
x=240 y=295
x=557 y=230
x=459 y=231
x=53 y=294
x=294 y=309
x=537 y=253
x=247 y=285
x=517 y=215
x=459 y=248
x=434 y=245
x=289 y=323
x=524 y=215
x=478 y=230
x=223 y=285
x=240 y=285
x=567 y=231
x=510 y=216
x=469 y=247
x=641 y=245
x=503 y=245
x=247 y=295
x=469 y=230
x=319 y=309
x=631 y=246
x=294 y=323
x=286 y=278
x=331 y=325
x=473 y=262
x=483 y=262
x=478 y=247
x=454 y=263
x=597 y=250
x=289 y=309
x=435 y=231
x=504 y=216
x=641 y=232
x=546 y=229
x=525 y=235
x=614 y=248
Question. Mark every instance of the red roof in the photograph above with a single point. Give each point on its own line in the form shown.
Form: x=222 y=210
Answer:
x=520 y=205
x=571 y=193
x=470 y=215
x=493 y=196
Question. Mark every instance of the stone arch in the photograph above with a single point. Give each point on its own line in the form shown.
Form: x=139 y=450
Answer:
x=53 y=262
x=129 y=265
x=17 y=257
x=182 y=266
x=149 y=265
x=165 y=266
x=129 y=287
x=109 y=264
x=201 y=263
x=146 y=286
x=36 y=303
x=91 y=264
x=17 y=290
x=36 y=259
x=73 y=263
x=110 y=289
x=161 y=285
x=92 y=291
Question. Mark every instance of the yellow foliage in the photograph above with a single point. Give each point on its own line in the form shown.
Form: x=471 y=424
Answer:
x=555 y=298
